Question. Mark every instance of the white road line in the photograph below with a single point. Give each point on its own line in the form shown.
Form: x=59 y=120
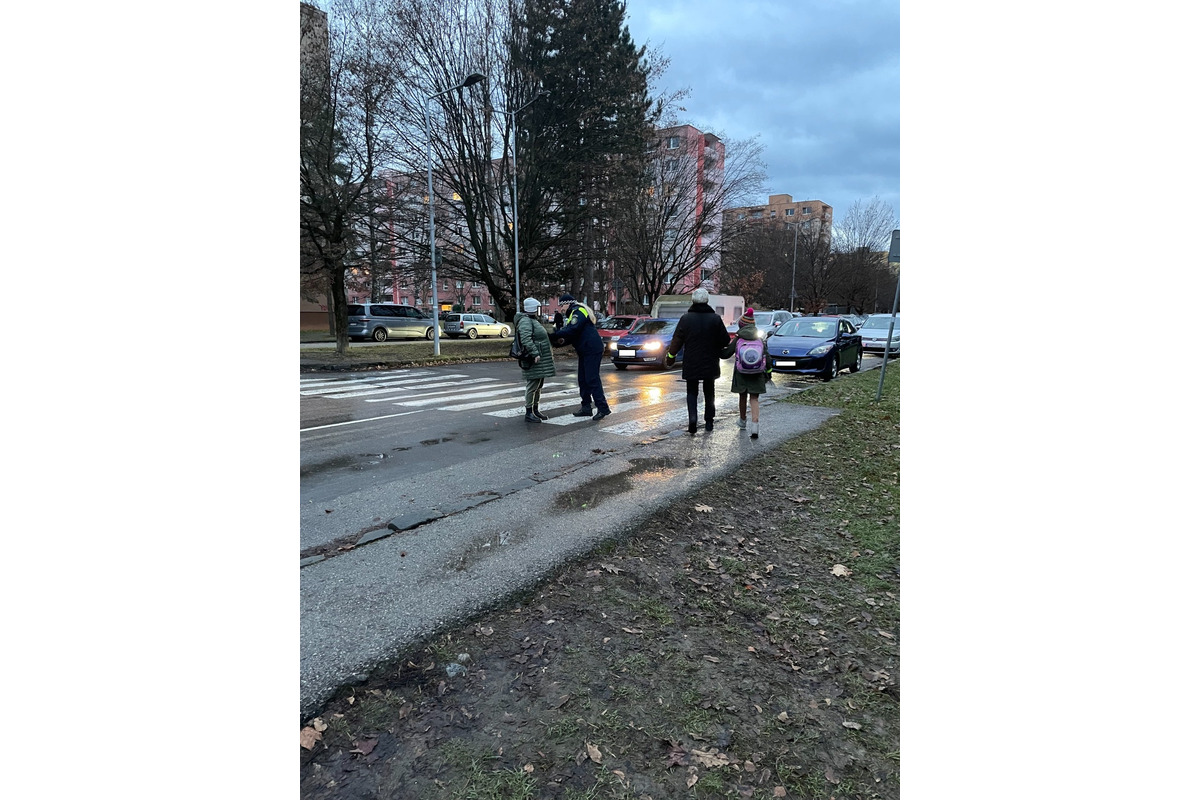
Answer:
x=373 y=387
x=372 y=378
x=645 y=397
x=488 y=403
x=407 y=386
x=500 y=388
x=356 y=421
x=668 y=419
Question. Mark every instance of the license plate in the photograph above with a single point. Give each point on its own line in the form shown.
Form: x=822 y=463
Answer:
x=785 y=363
x=626 y=353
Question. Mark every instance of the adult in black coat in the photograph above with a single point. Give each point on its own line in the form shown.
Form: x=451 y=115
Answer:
x=702 y=332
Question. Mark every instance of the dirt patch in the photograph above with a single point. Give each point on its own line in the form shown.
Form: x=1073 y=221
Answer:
x=744 y=643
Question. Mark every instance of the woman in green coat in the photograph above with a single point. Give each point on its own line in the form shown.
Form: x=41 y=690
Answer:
x=532 y=334
x=750 y=384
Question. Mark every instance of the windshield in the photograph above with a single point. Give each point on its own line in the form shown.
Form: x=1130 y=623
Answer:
x=655 y=326
x=809 y=326
x=615 y=324
x=880 y=323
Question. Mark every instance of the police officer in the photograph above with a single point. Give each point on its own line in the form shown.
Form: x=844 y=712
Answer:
x=579 y=330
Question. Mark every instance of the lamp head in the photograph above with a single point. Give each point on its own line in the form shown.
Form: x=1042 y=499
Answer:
x=472 y=79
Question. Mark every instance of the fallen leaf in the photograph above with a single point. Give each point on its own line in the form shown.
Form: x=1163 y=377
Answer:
x=632 y=630
x=712 y=758
x=528 y=768
x=319 y=724
x=365 y=747
x=779 y=791
x=712 y=659
x=691 y=781
x=884 y=634
x=830 y=776
x=351 y=700
x=852 y=726
x=704 y=509
x=610 y=568
x=593 y=752
x=841 y=571
x=309 y=738
x=783 y=717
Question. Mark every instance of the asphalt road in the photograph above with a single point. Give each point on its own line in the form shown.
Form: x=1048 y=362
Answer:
x=450 y=501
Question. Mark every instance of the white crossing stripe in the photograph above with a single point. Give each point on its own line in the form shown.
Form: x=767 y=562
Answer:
x=499 y=388
x=375 y=387
x=521 y=409
x=674 y=417
x=645 y=397
x=374 y=377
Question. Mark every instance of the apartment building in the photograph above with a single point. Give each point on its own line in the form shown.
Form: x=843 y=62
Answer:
x=810 y=215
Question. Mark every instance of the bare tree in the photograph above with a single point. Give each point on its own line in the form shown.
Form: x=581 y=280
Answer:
x=342 y=145
x=861 y=241
x=663 y=234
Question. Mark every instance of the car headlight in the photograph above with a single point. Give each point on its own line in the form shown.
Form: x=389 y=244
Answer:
x=653 y=346
x=820 y=350
x=613 y=345
x=760 y=333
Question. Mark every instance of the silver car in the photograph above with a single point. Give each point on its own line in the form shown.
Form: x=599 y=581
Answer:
x=381 y=321
x=473 y=326
x=874 y=334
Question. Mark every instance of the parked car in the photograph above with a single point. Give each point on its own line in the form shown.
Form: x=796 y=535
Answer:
x=474 y=325
x=645 y=345
x=815 y=346
x=875 y=334
x=771 y=320
x=618 y=325
x=381 y=321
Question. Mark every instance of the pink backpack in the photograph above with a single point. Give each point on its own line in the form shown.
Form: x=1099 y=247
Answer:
x=750 y=356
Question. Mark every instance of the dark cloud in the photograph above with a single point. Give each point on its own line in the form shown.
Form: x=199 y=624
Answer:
x=817 y=83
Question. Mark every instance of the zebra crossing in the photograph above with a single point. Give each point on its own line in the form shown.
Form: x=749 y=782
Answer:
x=410 y=391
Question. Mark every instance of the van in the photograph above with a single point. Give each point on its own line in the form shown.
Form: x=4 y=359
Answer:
x=381 y=321
x=673 y=306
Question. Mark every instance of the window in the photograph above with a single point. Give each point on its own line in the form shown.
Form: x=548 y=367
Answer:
x=806 y=210
x=755 y=214
x=672 y=142
x=445 y=286
x=791 y=212
x=742 y=215
x=772 y=212
x=475 y=300
x=458 y=284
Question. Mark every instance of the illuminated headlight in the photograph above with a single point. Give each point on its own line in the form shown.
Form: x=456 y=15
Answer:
x=820 y=350
x=652 y=346
x=613 y=345
x=760 y=333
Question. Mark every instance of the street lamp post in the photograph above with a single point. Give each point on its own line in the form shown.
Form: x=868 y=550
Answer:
x=470 y=80
x=795 y=241
x=512 y=115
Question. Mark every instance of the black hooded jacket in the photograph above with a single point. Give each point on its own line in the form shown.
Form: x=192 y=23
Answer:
x=702 y=336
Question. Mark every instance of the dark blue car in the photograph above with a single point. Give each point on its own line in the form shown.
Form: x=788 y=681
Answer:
x=645 y=345
x=815 y=346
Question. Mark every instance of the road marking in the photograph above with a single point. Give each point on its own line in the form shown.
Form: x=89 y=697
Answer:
x=356 y=421
x=521 y=409
x=374 y=377
x=500 y=388
x=373 y=387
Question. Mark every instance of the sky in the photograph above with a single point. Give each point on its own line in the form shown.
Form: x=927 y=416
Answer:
x=817 y=82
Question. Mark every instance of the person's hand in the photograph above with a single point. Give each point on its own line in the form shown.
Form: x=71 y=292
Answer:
x=670 y=360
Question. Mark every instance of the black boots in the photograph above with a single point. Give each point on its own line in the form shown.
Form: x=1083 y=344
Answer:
x=584 y=411
x=538 y=413
x=529 y=417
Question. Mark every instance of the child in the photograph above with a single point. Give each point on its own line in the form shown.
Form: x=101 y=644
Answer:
x=752 y=382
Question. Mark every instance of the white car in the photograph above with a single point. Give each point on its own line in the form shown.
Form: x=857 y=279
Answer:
x=473 y=326
x=874 y=334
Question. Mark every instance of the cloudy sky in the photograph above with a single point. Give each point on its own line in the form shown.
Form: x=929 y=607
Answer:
x=818 y=82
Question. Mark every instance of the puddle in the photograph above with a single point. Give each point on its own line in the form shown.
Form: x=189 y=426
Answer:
x=427 y=442
x=355 y=462
x=641 y=472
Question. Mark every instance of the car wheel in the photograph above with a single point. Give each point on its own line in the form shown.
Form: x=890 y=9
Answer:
x=472 y=334
x=504 y=333
x=379 y=334
x=834 y=367
x=429 y=334
x=620 y=366
x=857 y=365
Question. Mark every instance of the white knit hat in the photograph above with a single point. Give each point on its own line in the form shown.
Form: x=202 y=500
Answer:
x=531 y=305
